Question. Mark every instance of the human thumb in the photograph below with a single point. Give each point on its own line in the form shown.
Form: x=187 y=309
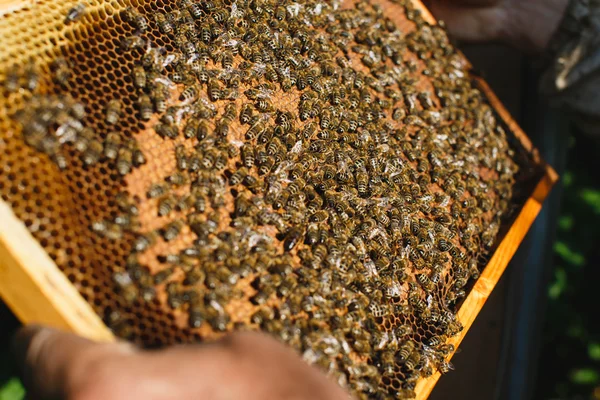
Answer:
x=469 y=22
x=54 y=363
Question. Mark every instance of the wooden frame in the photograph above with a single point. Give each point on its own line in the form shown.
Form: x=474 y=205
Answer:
x=37 y=291
x=491 y=274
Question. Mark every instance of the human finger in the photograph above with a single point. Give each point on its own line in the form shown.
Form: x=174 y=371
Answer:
x=244 y=365
x=56 y=364
x=241 y=365
x=483 y=22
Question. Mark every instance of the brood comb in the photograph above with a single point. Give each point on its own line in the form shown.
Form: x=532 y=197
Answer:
x=324 y=171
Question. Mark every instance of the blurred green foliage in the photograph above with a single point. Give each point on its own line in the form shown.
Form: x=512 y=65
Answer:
x=12 y=390
x=10 y=385
x=569 y=365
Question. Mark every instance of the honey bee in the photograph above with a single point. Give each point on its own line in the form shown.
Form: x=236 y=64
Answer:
x=266 y=166
x=362 y=181
x=248 y=157
x=112 y=112
x=74 y=14
x=62 y=71
x=137 y=156
x=214 y=90
x=124 y=160
x=153 y=61
x=220 y=162
x=31 y=78
x=164 y=25
x=143 y=242
x=177 y=179
x=412 y=361
x=166 y=130
x=230 y=112
x=188 y=48
x=292 y=238
x=83 y=139
x=145 y=107
x=135 y=19
x=445 y=367
x=206 y=34
x=256 y=129
x=185 y=202
x=246 y=113
x=404 y=394
x=252 y=183
x=93 y=152
x=196 y=317
x=166 y=205
x=156 y=190
x=229 y=94
x=159 y=98
x=172 y=230
x=191 y=127
x=443 y=244
x=199 y=203
x=398 y=114
x=124 y=204
x=194 y=9
x=219 y=323
x=222 y=127
x=220 y=14
x=242 y=205
x=139 y=77
x=445 y=349
x=11 y=82
x=437 y=340
x=189 y=94
x=161 y=276
x=133 y=42
x=485 y=203
x=266 y=135
x=264 y=105
x=202 y=130
x=312 y=234
x=227 y=61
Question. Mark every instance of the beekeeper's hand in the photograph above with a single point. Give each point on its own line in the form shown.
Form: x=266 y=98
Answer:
x=526 y=24
x=248 y=366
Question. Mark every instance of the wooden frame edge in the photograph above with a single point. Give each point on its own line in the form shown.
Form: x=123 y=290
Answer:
x=496 y=266
x=493 y=271
x=35 y=289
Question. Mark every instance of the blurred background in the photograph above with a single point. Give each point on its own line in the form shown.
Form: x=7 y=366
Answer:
x=537 y=336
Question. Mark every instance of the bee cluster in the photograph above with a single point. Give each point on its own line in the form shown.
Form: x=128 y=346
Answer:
x=334 y=178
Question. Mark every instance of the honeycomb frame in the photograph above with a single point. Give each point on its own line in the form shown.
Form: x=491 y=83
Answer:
x=467 y=311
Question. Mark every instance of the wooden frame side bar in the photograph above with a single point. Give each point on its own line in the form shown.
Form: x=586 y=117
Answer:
x=497 y=265
x=35 y=289
x=495 y=268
